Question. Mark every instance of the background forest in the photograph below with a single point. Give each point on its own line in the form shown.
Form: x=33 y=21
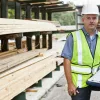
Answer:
x=64 y=18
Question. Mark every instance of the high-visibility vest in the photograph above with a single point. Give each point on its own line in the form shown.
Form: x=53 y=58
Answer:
x=83 y=65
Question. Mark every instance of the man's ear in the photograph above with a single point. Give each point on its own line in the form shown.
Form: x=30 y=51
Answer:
x=82 y=19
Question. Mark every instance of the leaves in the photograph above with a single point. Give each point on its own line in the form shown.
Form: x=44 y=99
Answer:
x=65 y=18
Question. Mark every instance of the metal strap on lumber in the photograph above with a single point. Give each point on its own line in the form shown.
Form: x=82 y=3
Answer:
x=8 y=26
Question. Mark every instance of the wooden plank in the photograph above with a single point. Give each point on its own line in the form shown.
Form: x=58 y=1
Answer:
x=7 y=52
x=10 y=62
x=10 y=53
x=18 y=73
x=30 y=76
x=41 y=74
x=8 y=26
x=47 y=54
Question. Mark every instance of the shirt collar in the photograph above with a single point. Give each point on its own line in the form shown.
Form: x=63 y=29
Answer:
x=86 y=33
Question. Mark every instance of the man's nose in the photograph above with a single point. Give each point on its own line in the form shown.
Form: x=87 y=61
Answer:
x=91 y=20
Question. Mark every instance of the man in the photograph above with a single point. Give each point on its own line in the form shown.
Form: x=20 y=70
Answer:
x=81 y=54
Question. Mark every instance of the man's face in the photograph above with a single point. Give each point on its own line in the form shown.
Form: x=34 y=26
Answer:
x=90 y=21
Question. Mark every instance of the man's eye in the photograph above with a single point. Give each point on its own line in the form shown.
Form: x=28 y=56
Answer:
x=88 y=18
x=94 y=18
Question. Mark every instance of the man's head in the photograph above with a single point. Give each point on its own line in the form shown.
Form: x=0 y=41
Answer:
x=90 y=15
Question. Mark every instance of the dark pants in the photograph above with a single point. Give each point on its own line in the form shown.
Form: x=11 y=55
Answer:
x=84 y=93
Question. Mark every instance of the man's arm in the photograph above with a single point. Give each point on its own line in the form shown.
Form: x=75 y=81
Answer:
x=67 y=69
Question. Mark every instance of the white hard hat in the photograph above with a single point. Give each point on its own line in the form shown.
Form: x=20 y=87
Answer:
x=90 y=9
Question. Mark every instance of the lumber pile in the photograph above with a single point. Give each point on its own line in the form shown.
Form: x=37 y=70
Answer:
x=19 y=70
x=12 y=61
x=26 y=74
x=8 y=26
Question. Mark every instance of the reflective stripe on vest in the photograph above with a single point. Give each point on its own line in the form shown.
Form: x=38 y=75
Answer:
x=84 y=70
x=79 y=47
x=95 y=69
x=81 y=70
x=79 y=83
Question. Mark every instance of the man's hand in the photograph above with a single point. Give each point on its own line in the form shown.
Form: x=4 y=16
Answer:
x=72 y=90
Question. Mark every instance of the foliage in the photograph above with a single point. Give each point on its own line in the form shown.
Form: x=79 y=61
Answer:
x=11 y=13
x=65 y=18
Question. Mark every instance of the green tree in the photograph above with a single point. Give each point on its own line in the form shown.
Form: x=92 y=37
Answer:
x=65 y=18
x=11 y=13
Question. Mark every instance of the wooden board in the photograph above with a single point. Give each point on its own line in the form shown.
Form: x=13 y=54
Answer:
x=46 y=54
x=25 y=77
x=10 y=53
x=10 y=62
x=26 y=74
x=8 y=26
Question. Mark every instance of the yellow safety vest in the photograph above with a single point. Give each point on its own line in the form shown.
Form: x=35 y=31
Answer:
x=83 y=65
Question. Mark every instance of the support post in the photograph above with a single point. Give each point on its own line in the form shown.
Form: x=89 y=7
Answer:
x=39 y=84
x=29 y=38
x=50 y=41
x=18 y=16
x=4 y=46
x=4 y=14
x=28 y=12
x=44 y=38
x=57 y=66
x=49 y=75
x=21 y=96
x=4 y=8
x=37 y=41
x=44 y=42
x=49 y=35
x=29 y=43
x=37 y=37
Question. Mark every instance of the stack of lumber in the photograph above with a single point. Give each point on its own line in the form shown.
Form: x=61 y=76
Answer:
x=17 y=59
x=8 y=26
x=22 y=76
